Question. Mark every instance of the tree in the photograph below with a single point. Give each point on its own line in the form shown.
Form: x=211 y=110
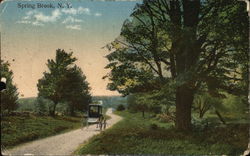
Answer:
x=42 y=106
x=49 y=86
x=120 y=107
x=9 y=96
x=76 y=90
x=199 y=43
x=145 y=102
x=65 y=83
x=202 y=104
x=205 y=102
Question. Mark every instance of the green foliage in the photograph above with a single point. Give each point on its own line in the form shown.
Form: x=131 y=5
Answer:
x=191 y=42
x=205 y=102
x=9 y=96
x=76 y=90
x=49 y=86
x=65 y=82
x=157 y=101
x=237 y=106
x=26 y=104
x=42 y=106
x=135 y=135
x=33 y=104
x=206 y=49
x=120 y=108
x=20 y=129
x=153 y=126
x=166 y=117
x=226 y=46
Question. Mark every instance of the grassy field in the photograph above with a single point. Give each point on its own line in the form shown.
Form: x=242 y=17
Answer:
x=135 y=135
x=20 y=129
x=25 y=126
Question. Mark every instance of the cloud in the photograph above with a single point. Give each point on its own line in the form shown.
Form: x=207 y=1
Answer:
x=37 y=18
x=29 y=14
x=23 y=22
x=82 y=10
x=70 y=19
x=70 y=11
x=36 y=23
x=98 y=14
x=79 y=10
x=51 y=18
x=74 y=27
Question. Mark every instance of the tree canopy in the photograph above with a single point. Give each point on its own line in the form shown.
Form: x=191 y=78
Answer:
x=195 y=44
x=9 y=96
x=64 y=82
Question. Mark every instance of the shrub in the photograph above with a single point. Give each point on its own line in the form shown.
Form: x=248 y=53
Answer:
x=9 y=96
x=120 y=108
x=42 y=106
x=153 y=126
x=166 y=117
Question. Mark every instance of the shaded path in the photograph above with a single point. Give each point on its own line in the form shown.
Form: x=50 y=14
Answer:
x=62 y=144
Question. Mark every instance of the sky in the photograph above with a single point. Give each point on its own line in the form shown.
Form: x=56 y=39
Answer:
x=30 y=36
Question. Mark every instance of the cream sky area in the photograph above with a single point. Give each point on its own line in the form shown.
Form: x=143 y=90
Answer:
x=31 y=36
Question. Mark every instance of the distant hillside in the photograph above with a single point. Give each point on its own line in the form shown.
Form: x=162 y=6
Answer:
x=111 y=101
x=28 y=104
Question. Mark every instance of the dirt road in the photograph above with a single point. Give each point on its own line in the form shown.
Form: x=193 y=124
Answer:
x=62 y=144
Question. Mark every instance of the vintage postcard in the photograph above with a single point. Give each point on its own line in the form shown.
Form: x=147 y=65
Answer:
x=125 y=77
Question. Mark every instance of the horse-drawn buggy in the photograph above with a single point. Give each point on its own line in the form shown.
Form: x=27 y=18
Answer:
x=95 y=116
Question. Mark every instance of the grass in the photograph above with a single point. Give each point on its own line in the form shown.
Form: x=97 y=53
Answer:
x=135 y=135
x=19 y=129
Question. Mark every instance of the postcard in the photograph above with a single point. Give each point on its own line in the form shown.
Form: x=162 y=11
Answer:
x=124 y=77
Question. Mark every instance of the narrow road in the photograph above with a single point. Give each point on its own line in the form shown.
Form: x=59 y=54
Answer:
x=62 y=144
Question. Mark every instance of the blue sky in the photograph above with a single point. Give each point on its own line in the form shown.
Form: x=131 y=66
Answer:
x=31 y=36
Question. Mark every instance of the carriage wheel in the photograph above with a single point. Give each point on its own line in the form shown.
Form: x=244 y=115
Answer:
x=100 y=125
x=82 y=123
x=104 y=124
x=87 y=124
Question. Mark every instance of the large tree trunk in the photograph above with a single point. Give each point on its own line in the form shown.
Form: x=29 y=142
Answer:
x=184 y=100
x=186 y=52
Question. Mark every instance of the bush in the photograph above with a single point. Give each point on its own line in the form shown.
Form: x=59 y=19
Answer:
x=120 y=108
x=199 y=124
x=153 y=126
x=42 y=106
x=9 y=96
x=166 y=117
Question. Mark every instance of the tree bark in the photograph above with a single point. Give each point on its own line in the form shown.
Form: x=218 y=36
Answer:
x=184 y=100
x=186 y=52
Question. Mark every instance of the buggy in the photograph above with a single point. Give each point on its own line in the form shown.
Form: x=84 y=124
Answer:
x=95 y=116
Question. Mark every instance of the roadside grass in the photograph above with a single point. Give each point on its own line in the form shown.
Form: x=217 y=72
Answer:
x=20 y=129
x=135 y=135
